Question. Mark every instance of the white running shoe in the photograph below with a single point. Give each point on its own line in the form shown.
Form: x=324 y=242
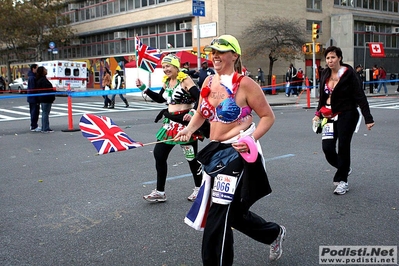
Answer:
x=193 y=195
x=155 y=196
x=342 y=188
x=276 y=248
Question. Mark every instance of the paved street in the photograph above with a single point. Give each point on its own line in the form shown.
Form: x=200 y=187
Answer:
x=60 y=204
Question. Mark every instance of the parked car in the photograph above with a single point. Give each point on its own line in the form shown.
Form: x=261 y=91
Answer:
x=20 y=85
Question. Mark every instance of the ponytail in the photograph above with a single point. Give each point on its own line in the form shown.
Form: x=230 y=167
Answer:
x=238 y=65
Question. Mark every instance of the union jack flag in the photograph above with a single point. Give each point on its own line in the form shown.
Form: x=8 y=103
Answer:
x=147 y=57
x=105 y=135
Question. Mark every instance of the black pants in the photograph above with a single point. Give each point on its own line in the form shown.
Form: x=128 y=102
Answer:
x=217 y=242
x=34 y=109
x=161 y=153
x=343 y=132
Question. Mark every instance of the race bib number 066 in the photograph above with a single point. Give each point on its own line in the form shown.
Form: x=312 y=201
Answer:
x=224 y=187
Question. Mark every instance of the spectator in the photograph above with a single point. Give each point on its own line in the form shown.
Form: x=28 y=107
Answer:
x=2 y=84
x=299 y=78
x=186 y=69
x=203 y=73
x=34 y=104
x=360 y=75
x=106 y=86
x=290 y=78
x=261 y=77
x=118 y=83
x=44 y=86
x=382 y=80
x=376 y=75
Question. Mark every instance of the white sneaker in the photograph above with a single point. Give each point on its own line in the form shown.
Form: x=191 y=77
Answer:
x=193 y=195
x=155 y=196
x=276 y=248
x=342 y=188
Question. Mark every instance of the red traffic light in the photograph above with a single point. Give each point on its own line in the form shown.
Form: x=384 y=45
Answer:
x=315 y=31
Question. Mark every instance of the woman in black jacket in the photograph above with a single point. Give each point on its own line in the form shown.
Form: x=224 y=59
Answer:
x=44 y=86
x=340 y=94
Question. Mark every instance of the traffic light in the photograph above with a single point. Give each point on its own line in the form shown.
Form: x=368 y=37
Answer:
x=307 y=48
x=315 y=31
x=318 y=48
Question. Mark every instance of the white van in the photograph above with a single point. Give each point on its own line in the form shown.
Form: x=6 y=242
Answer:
x=64 y=73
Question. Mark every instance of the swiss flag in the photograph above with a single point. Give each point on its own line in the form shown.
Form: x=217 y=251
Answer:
x=376 y=49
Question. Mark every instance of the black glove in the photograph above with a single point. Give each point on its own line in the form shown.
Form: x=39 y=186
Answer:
x=182 y=97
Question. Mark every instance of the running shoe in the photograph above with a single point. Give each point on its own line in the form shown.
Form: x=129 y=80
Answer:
x=276 y=248
x=155 y=196
x=193 y=195
x=342 y=188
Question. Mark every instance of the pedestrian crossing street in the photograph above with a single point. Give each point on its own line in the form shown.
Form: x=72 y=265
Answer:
x=61 y=109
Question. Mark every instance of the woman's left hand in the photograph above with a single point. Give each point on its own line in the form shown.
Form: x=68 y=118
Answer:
x=240 y=146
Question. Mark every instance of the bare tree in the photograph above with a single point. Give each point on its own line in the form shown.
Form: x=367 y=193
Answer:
x=274 y=38
x=27 y=26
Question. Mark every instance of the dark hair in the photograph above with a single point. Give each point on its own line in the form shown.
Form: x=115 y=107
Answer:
x=40 y=72
x=335 y=50
x=33 y=66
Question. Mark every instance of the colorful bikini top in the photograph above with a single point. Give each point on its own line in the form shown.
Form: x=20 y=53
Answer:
x=329 y=90
x=227 y=111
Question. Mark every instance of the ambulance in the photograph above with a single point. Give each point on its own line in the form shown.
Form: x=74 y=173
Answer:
x=63 y=74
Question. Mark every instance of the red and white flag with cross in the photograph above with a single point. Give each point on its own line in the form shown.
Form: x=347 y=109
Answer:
x=376 y=49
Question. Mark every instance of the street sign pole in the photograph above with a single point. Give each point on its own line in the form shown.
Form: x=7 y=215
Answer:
x=198 y=11
x=313 y=92
x=198 y=44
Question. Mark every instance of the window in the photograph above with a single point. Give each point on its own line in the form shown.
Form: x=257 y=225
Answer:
x=171 y=41
x=110 y=8
x=170 y=27
x=123 y=5
x=97 y=76
x=153 y=42
x=313 y=4
x=130 y=4
x=162 y=42
x=76 y=72
x=162 y=28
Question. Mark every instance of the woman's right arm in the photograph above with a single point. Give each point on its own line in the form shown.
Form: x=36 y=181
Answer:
x=195 y=123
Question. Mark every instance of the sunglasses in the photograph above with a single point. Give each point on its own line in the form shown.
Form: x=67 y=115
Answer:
x=224 y=43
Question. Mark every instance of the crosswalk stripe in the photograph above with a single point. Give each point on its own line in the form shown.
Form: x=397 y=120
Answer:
x=61 y=109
